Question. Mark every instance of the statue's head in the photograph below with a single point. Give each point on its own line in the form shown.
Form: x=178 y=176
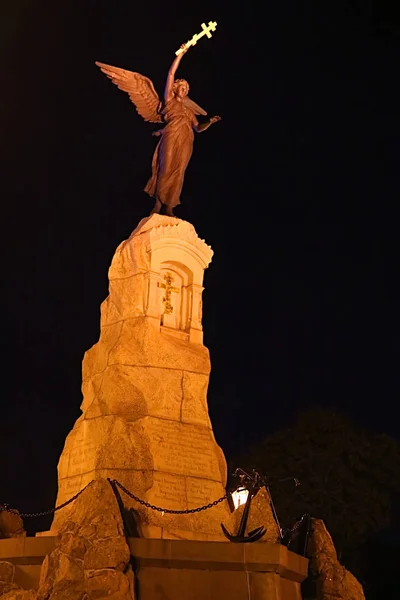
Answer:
x=181 y=88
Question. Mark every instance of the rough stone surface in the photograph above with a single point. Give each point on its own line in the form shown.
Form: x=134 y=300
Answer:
x=334 y=582
x=11 y=525
x=144 y=416
x=7 y=574
x=19 y=594
x=91 y=559
x=260 y=514
x=7 y=571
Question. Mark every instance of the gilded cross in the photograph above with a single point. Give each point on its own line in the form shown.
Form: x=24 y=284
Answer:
x=205 y=30
x=169 y=288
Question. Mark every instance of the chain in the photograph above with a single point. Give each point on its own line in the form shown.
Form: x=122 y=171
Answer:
x=12 y=511
x=168 y=510
x=189 y=511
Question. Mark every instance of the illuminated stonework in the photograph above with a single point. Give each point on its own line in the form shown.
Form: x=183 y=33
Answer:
x=159 y=247
x=144 y=415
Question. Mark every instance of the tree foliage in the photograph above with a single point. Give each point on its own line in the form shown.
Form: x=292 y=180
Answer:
x=349 y=477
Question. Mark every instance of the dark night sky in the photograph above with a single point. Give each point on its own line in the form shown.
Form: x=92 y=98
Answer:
x=295 y=190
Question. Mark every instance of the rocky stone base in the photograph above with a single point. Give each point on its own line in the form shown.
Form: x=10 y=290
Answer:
x=20 y=595
x=11 y=524
x=7 y=576
x=191 y=570
x=333 y=581
x=9 y=589
x=91 y=559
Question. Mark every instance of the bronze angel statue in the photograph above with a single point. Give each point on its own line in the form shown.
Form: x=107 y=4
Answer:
x=179 y=113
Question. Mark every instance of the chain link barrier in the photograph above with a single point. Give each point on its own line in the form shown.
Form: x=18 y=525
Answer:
x=12 y=511
x=3 y=507
x=169 y=511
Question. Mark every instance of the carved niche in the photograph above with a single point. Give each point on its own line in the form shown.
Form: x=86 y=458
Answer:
x=175 y=279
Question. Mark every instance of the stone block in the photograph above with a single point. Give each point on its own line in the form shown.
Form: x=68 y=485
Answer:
x=164 y=569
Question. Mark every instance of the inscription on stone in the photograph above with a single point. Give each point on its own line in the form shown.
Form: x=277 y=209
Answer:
x=82 y=457
x=183 y=449
x=168 y=491
x=201 y=492
x=67 y=488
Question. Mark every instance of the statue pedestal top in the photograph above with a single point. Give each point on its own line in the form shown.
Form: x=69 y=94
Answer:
x=162 y=263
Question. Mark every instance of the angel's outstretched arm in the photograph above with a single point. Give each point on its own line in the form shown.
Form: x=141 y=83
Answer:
x=171 y=74
x=206 y=125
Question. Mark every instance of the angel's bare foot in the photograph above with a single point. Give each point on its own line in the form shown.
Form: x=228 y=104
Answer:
x=157 y=208
x=169 y=211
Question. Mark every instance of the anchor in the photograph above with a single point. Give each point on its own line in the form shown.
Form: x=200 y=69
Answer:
x=254 y=482
x=256 y=534
x=128 y=516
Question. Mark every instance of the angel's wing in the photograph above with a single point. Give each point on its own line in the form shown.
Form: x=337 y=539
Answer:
x=140 y=89
x=194 y=107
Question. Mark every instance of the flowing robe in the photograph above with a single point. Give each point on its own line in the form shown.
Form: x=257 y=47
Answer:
x=172 y=154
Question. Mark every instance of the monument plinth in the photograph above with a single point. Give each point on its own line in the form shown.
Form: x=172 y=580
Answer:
x=144 y=415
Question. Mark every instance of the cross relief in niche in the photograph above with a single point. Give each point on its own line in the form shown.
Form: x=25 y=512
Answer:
x=170 y=309
x=169 y=288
